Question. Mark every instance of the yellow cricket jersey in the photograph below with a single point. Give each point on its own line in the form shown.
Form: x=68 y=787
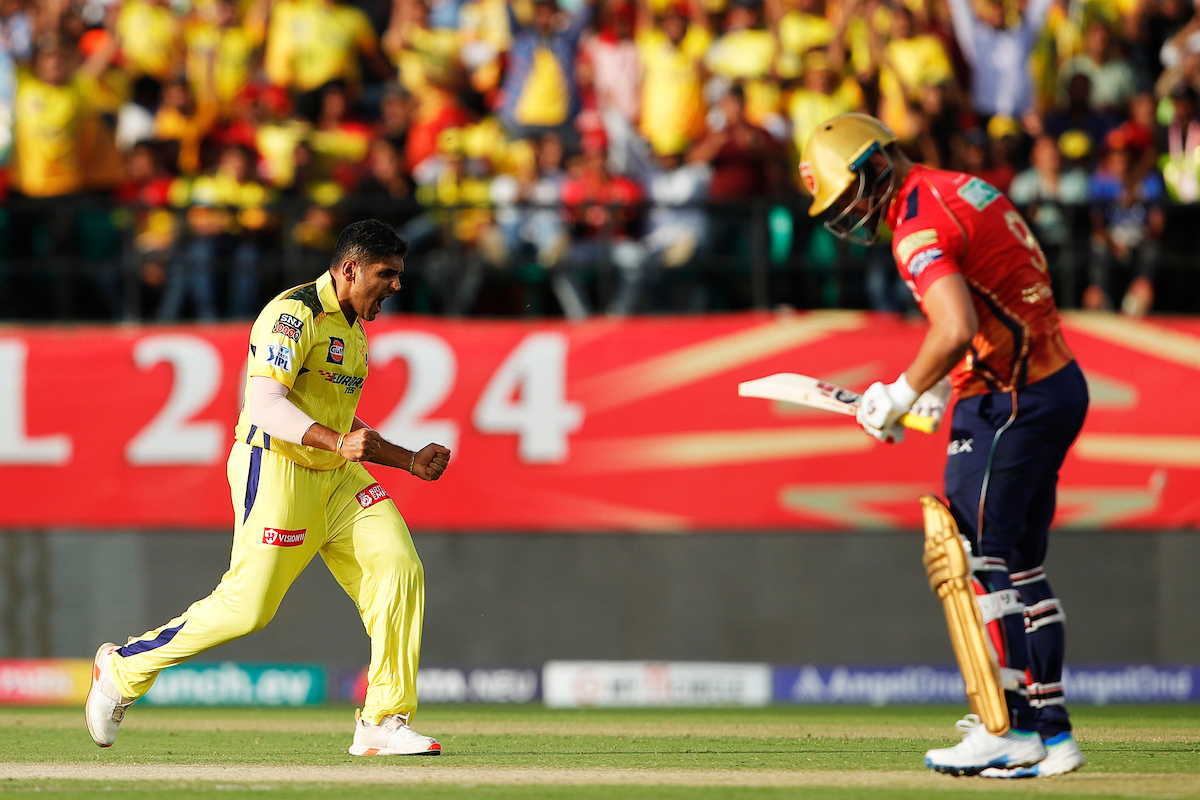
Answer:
x=150 y=39
x=47 y=134
x=672 y=100
x=301 y=339
x=310 y=43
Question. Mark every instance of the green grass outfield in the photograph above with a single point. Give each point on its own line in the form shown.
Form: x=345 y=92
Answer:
x=504 y=752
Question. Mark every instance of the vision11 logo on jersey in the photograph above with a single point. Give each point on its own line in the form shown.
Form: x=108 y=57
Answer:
x=281 y=538
x=337 y=350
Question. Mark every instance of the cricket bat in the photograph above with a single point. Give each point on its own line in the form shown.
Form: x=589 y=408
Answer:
x=802 y=390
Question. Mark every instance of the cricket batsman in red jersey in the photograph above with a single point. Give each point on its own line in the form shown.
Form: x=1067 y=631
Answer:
x=981 y=279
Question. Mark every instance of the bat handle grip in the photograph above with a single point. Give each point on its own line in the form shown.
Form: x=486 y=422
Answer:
x=918 y=423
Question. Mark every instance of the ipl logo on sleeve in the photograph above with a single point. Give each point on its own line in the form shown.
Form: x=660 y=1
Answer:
x=337 y=350
x=280 y=355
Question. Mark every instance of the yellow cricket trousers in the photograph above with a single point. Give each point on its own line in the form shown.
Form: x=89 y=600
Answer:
x=285 y=514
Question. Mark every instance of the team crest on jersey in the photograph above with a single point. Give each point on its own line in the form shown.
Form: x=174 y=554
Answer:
x=289 y=326
x=809 y=178
x=337 y=351
x=280 y=355
x=281 y=538
x=980 y=194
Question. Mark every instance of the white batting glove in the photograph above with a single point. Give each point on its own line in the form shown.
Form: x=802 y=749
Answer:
x=932 y=402
x=883 y=404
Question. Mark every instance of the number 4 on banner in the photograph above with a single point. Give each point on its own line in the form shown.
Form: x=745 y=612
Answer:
x=527 y=396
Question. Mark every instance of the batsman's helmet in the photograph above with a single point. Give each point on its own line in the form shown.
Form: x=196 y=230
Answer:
x=836 y=156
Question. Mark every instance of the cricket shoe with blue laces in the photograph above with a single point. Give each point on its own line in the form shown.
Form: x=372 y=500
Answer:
x=980 y=749
x=1062 y=756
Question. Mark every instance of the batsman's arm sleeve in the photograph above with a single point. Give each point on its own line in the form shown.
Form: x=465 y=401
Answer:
x=274 y=413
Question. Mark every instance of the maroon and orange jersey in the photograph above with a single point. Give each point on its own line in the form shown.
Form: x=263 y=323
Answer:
x=947 y=222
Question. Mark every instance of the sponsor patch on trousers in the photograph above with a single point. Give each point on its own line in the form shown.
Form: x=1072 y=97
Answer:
x=371 y=495
x=283 y=538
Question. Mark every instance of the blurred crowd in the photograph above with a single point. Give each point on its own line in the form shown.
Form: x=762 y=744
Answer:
x=611 y=151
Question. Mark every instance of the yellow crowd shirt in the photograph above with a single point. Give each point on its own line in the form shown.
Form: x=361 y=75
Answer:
x=310 y=42
x=301 y=339
x=807 y=108
x=749 y=55
x=47 y=135
x=798 y=33
x=232 y=50
x=673 y=106
x=544 y=97
x=150 y=39
x=913 y=64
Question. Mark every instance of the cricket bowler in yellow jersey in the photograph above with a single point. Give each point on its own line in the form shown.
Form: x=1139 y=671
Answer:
x=299 y=488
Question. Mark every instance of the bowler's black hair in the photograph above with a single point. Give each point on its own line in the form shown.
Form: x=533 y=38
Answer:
x=367 y=242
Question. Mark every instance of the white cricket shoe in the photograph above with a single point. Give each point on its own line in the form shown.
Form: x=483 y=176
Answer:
x=391 y=737
x=105 y=707
x=1062 y=756
x=980 y=749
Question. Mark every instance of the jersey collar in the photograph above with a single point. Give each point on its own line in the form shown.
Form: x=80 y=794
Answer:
x=910 y=180
x=329 y=299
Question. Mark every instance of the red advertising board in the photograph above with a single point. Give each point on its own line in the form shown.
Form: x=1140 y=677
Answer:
x=605 y=425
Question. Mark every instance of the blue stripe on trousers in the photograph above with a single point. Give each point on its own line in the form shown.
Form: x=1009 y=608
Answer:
x=164 y=636
x=252 y=480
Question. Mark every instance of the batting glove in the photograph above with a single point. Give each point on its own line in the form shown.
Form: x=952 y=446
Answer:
x=932 y=402
x=883 y=404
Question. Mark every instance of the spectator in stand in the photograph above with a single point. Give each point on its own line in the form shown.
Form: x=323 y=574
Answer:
x=746 y=53
x=484 y=38
x=999 y=55
x=395 y=115
x=185 y=120
x=677 y=224
x=910 y=62
x=278 y=135
x=1128 y=224
x=339 y=140
x=458 y=203
x=226 y=212
x=746 y=165
x=151 y=38
x=803 y=26
x=312 y=42
x=1112 y=78
x=146 y=192
x=56 y=131
x=822 y=94
x=1180 y=147
x=604 y=210
x=223 y=49
x=1078 y=113
x=61 y=152
x=1052 y=199
x=426 y=57
x=671 y=54
x=528 y=221
x=387 y=193
x=540 y=93
x=616 y=66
